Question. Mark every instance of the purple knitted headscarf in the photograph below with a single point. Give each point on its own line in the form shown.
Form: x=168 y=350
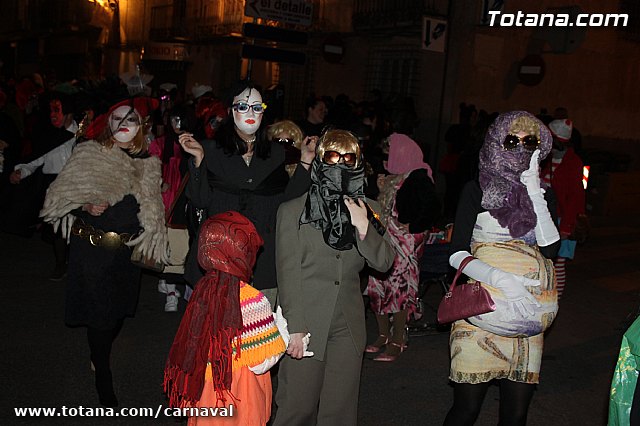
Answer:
x=503 y=195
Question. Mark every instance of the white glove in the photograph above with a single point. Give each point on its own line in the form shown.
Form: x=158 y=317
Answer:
x=266 y=364
x=546 y=231
x=511 y=285
x=281 y=323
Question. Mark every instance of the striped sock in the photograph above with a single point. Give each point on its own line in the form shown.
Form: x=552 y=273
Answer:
x=561 y=274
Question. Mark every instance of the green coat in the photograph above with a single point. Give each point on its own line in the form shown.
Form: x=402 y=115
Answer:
x=625 y=377
x=314 y=279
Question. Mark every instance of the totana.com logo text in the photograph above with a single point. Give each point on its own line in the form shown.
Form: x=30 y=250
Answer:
x=521 y=19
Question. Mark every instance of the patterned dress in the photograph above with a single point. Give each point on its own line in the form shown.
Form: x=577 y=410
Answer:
x=397 y=289
x=478 y=355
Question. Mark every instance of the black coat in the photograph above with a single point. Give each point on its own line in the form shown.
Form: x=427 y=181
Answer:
x=103 y=285
x=224 y=182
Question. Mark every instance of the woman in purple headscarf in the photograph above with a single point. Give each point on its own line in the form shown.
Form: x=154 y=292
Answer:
x=505 y=221
x=409 y=208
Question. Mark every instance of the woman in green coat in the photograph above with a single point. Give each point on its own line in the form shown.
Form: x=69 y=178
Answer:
x=323 y=240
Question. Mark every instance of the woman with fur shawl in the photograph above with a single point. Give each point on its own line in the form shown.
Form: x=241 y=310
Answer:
x=107 y=200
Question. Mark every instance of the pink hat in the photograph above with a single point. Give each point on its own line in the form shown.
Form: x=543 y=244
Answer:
x=405 y=155
x=561 y=129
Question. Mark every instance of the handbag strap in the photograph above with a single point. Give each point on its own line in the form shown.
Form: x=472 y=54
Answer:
x=463 y=264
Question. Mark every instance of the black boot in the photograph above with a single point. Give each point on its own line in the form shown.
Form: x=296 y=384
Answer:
x=104 y=386
x=100 y=344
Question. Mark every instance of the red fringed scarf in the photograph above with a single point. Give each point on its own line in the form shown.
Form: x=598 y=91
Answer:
x=227 y=248
x=211 y=322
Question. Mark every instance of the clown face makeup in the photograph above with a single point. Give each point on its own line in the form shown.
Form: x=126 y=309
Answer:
x=124 y=123
x=248 y=120
x=56 y=115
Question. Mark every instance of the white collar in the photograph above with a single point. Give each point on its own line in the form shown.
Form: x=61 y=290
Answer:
x=73 y=127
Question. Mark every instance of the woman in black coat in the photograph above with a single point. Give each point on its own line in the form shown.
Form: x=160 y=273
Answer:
x=243 y=171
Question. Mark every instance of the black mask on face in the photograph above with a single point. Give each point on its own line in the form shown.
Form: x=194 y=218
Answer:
x=325 y=208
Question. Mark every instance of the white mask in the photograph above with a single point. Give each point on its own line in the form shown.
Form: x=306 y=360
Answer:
x=247 y=122
x=124 y=125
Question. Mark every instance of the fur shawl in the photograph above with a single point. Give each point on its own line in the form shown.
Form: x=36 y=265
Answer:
x=95 y=174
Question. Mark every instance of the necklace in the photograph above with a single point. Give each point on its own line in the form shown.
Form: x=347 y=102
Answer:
x=249 y=155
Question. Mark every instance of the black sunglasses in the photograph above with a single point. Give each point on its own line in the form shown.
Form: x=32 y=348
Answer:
x=286 y=141
x=334 y=157
x=529 y=142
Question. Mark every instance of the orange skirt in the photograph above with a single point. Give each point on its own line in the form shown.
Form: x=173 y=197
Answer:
x=251 y=405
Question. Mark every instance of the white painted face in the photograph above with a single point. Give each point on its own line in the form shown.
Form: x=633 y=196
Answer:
x=249 y=121
x=124 y=125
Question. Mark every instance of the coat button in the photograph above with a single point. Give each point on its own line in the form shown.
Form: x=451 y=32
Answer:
x=249 y=180
x=337 y=256
x=336 y=282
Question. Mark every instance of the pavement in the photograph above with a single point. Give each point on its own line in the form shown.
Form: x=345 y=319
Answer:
x=46 y=364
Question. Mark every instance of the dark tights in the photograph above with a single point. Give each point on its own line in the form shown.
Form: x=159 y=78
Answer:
x=467 y=402
x=100 y=342
x=60 y=250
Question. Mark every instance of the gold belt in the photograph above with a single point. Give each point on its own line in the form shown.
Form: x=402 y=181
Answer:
x=100 y=238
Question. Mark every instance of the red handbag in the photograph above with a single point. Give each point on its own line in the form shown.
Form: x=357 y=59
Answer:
x=465 y=300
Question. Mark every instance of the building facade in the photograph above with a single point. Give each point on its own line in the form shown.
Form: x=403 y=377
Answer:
x=439 y=52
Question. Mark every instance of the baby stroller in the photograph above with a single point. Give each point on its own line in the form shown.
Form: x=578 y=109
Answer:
x=434 y=270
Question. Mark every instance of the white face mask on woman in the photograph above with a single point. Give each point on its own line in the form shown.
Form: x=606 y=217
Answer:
x=247 y=111
x=124 y=123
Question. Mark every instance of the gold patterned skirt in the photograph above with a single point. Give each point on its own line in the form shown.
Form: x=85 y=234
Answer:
x=479 y=356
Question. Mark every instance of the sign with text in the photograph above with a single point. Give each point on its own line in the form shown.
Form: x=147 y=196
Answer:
x=290 y=11
x=165 y=52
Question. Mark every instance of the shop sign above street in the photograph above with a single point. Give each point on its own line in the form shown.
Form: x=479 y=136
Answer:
x=298 y=12
x=165 y=52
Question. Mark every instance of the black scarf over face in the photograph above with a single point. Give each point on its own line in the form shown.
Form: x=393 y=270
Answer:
x=325 y=209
